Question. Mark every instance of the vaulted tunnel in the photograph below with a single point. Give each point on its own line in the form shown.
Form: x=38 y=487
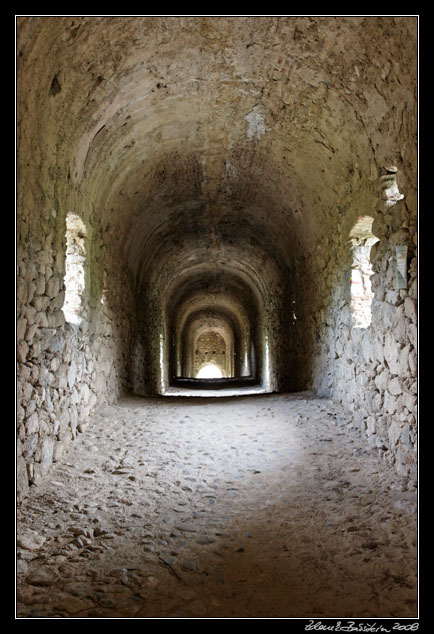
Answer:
x=217 y=167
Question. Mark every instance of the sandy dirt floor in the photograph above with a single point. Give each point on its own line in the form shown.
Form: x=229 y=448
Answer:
x=265 y=506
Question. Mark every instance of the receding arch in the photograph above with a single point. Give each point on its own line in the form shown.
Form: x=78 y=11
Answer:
x=225 y=303
x=208 y=336
x=211 y=350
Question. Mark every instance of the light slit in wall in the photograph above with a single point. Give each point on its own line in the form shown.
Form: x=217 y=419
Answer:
x=362 y=240
x=74 y=269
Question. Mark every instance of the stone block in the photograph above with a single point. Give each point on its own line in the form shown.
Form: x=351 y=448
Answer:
x=395 y=386
x=56 y=319
x=382 y=380
x=43 y=376
x=410 y=309
x=21 y=414
x=21 y=328
x=394 y=433
x=30 y=540
x=366 y=348
x=52 y=289
x=47 y=449
x=40 y=284
x=63 y=431
x=22 y=480
x=26 y=391
x=390 y=403
x=32 y=423
x=370 y=425
x=30 y=333
x=409 y=401
x=42 y=320
x=34 y=350
x=55 y=363
x=36 y=474
x=31 y=288
x=412 y=362
x=22 y=351
x=71 y=374
x=85 y=393
x=30 y=445
x=30 y=407
x=403 y=361
x=21 y=292
x=406 y=438
x=413 y=290
x=377 y=350
x=391 y=353
x=58 y=302
x=412 y=334
x=53 y=341
x=40 y=303
x=59 y=448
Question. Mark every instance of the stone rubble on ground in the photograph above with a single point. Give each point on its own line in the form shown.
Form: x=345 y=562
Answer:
x=295 y=513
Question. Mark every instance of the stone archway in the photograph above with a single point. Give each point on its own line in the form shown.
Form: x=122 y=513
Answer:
x=210 y=348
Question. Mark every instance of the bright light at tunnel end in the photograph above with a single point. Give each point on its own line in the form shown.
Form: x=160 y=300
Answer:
x=209 y=371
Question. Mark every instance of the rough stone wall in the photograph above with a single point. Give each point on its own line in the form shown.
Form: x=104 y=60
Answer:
x=372 y=371
x=64 y=370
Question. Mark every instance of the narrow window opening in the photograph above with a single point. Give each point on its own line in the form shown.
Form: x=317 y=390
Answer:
x=74 y=269
x=389 y=185
x=362 y=240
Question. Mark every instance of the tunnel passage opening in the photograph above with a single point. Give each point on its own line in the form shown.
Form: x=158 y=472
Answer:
x=212 y=359
x=209 y=337
x=209 y=371
x=215 y=318
x=214 y=350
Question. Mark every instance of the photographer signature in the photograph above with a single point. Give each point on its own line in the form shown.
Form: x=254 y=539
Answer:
x=352 y=626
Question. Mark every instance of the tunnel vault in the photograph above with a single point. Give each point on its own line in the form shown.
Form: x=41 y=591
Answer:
x=223 y=305
x=216 y=167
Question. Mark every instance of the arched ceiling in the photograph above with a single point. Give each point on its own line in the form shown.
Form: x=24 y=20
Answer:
x=234 y=308
x=188 y=141
x=220 y=329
